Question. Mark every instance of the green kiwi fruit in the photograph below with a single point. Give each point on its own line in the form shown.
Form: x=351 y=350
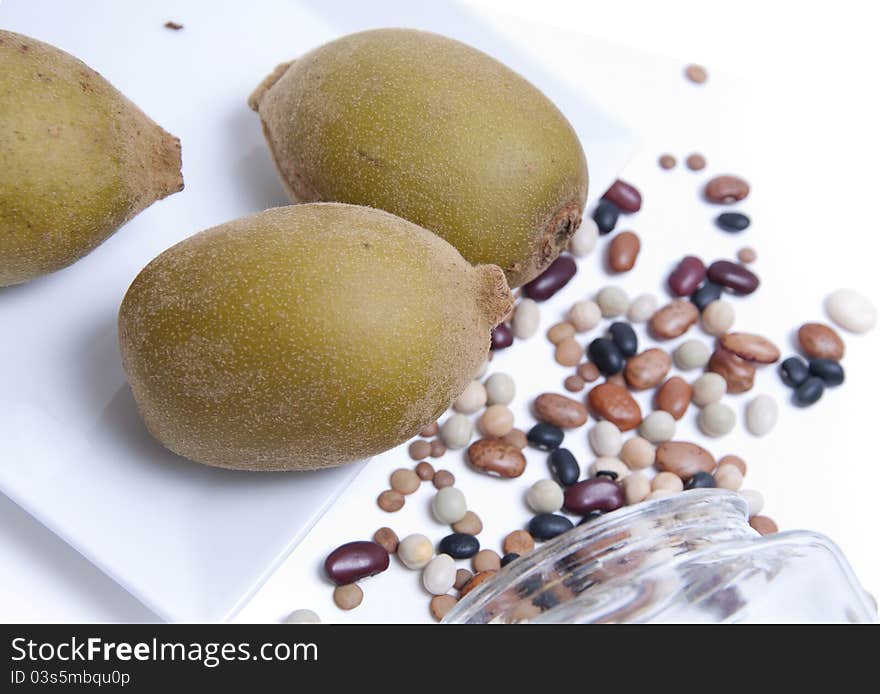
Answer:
x=78 y=159
x=436 y=132
x=304 y=336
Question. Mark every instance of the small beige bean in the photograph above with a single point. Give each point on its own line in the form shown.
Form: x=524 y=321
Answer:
x=691 y=354
x=667 y=480
x=642 y=308
x=449 y=505
x=559 y=332
x=638 y=453
x=348 y=597
x=636 y=487
x=754 y=499
x=544 y=496
x=728 y=477
x=415 y=551
x=657 y=427
x=456 y=431
x=526 y=319
x=405 y=481
x=612 y=301
x=584 y=315
x=500 y=389
x=472 y=398
x=605 y=439
x=717 y=419
x=569 y=352
x=708 y=388
x=497 y=420
x=718 y=317
x=486 y=560
x=583 y=241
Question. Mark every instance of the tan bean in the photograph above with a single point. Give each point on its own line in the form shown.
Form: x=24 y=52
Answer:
x=560 y=411
x=751 y=347
x=648 y=369
x=673 y=320
x=684 y=459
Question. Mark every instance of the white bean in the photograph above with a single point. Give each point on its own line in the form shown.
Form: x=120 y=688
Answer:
x=526 y=319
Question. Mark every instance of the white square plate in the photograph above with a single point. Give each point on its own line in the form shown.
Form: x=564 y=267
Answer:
x=191 y=542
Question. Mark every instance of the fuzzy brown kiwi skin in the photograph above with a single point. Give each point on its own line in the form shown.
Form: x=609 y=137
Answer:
x=431 y=94
x=367 y=327
x=65 y=129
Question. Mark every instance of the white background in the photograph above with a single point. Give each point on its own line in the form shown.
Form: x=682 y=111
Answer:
x=807 y=142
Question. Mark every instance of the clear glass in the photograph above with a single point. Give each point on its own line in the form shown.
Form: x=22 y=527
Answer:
x=687 y=558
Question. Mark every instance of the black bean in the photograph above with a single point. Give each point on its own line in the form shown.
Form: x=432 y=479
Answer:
x=546 y=526
x=610 y=474
x=545 y=437
x=706 y=294
x=591 y=516
x=625 y=338
x=564 y=466
x=828 y=370
x=732 y=221
x=605 y=216
x=459 y=546
x=702 y=480
x=809 y=391
x=509 y=557
x=794 y=371
x=546 y=599
x=554 y=278
x=606 y=356
x=529 y=585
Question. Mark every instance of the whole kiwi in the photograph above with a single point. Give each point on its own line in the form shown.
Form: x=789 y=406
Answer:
x=436 y=132
x=78 y=159
x=304 y=336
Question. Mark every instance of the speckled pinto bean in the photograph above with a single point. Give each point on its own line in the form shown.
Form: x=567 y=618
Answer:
x=354 y=561
x=751 y=347
x=687 y=276
x=560 y=411
x=554 y=278
x=683 y=458
x=496 y=457
x=821 y=341
x=736 y=371
x=648 y=369
x=673 y=320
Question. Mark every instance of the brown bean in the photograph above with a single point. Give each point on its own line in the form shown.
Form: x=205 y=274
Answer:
x=684 y=459
x=559 y=332
x=569 y=352
x=666 y=161
x=764 y=525
x=736 y=371
x=470 y=524
x=430 y=430
x=674 y=319
x=405 y=481
x=475 y=581
x=496 y=457
x=418 y=450
x=440 y=605
x=696 y=73
x=747 y=255
x=390 y=500
x=623 y=251
x=387 y=538
x=443 y=478
x=726 y=189
x=820 y=341
x=560 y=411
x=614 y=403
x=518 y=542
x=516 y=437
x=348 y=597
x=734 y=460
x=588 y=371
x=751 y=347
x=617 y=379
x=425 y=471
x=462 y=576
x=574 y=383
x=438 y=448
x=674 y=397
x=648 y=369
x=486 y=560
x=695 y=162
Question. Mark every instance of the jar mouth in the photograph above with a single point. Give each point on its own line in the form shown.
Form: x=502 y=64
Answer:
x=703 y=514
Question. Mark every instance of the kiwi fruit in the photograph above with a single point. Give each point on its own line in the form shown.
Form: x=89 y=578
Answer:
x=433 y=131
x=78 y=159
x=304 y=336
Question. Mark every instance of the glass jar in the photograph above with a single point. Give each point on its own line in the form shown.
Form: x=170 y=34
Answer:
x=691 y=557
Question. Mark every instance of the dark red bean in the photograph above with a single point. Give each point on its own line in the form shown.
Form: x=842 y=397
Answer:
x=355 y=561
x=552 y=279
x=502 y=336
x=735 y=277
x=599 y=494
x=625 y=196
x=687 y=276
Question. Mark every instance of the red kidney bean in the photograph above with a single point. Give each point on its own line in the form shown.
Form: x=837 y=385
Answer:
x=600 y=494
x=687 y=276
x=625 y=196
x=733 y=276
x=552 y=279
x=502 y=336
x=354 y=561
